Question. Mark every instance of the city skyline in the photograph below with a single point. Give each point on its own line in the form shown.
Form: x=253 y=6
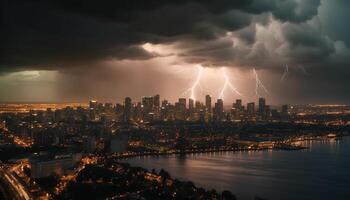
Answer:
x=174 y=99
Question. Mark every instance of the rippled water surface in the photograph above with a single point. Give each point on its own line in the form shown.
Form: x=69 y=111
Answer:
x=320 y=172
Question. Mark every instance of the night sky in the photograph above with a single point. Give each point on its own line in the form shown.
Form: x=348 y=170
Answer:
x=70 y=50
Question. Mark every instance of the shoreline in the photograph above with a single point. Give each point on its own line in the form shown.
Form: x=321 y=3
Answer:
x=121 y=157
x=286 y=148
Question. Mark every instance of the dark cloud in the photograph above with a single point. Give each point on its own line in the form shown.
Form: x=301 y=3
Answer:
x=65 y=32
x=73 y=36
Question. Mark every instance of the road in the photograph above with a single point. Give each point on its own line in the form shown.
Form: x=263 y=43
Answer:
x=11 y=187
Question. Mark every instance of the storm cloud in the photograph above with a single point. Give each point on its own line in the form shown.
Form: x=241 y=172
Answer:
x=61 y=33
x=73 y=35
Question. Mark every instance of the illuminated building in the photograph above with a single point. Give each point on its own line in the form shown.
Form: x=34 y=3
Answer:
x=219 y=110
x=137 y=112
x=165 y=103
x=147 y=106
x=156 y=100
x=180 y=109
x=285 y=109
x=44 y=166
x=237 y=109
x=108 y=107
x=93 y=104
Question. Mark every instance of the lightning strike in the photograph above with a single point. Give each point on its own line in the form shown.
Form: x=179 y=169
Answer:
x=302 y=68
x=195 y=85
x=227 y=84
x=258 y=84
x=285 y=73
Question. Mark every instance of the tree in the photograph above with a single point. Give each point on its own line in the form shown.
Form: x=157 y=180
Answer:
x=164 y=174
x=227 y=195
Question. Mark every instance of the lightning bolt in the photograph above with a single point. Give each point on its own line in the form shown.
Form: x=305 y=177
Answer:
x=285 y=73
x=258 y=84
x=227 y=84
x=302 y=68
x=196 y=83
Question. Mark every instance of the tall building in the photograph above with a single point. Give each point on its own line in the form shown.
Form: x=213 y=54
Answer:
x=237 y=109
x=165 y=103
x=147 y=104
x=164 y=111
x=156 y=100
x=219 y=110
x=191 y=105
x=208 y=102
x=119 y=108
x=238 y=104
x=57 y=115
x=127 y=109
x=262 y=106
x=137 y=112
x=285 y=109
x=180 y=109
x=251 y=108
x=93 y=104
x=198 y=106
x=267 y=111
x=182 y=102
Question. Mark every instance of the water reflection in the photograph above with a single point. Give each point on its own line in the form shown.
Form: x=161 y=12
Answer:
x=320 y=172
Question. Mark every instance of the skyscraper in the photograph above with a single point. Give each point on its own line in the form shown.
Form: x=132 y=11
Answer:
x=147 y=106
x=208 y=102
x=285 y=109
x=156 y=106
x=165 y=103
x=262 y=106
x=93 y=104
x=180 y=109
x=198 y=106
x=219 y=109
x=251 y=108
x=182 y=102
x=156 y=100
x=127 y=109
x=238 y=105
x=190 y=105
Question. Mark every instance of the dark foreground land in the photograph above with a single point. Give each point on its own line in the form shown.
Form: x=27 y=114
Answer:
x=121 y=181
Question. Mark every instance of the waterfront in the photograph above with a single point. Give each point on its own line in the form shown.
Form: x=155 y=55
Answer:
x=320 y=172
